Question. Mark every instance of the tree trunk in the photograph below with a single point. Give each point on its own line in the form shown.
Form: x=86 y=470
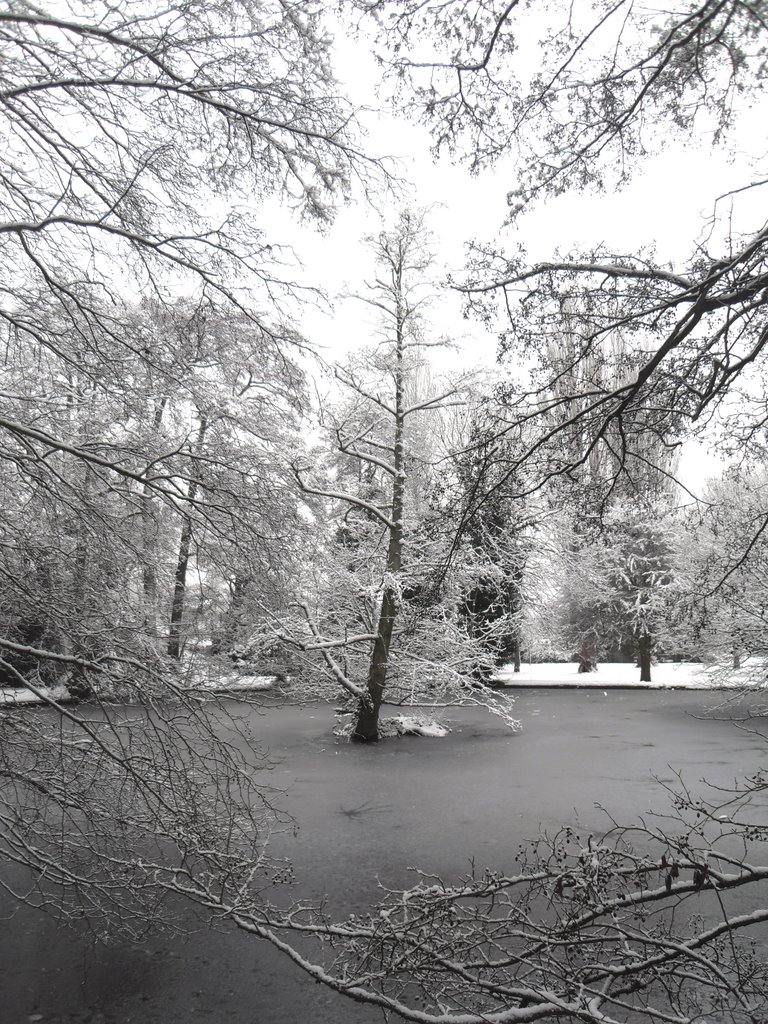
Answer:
x=85 y=628
x=588 y=654
x=179 y=590
x=517 y=654
x=644 y=644
x=367 y=723
x=149 y=545
x=366 y=728
x=182 y=563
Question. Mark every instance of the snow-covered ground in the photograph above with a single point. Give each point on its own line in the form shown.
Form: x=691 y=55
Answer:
x=235 y=683
x=18 y=695
x=399 y=725
x=665 y=674
x=223 y=684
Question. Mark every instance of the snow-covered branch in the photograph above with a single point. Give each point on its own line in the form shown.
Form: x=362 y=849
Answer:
x=350 y=499
x=324 y=648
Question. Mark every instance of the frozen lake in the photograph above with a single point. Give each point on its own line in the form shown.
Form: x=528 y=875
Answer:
x=368 y=812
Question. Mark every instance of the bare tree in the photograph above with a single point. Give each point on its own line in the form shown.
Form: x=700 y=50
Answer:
x=127 y=129
x=377 y=433
x=132 y=135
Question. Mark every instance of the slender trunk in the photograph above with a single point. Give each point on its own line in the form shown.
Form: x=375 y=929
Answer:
x=180 y=589
x=516 y=606
x=64 y=629
x=645 y=645
x=642 y=631
x=367 y=723
x=229 y=632
x=182 y=563
x=149 y=545
x=83 y=602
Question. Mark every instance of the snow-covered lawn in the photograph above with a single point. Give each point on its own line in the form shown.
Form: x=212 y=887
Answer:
x=665 y=674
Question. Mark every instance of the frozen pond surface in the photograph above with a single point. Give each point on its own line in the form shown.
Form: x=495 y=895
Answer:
x=373 y=812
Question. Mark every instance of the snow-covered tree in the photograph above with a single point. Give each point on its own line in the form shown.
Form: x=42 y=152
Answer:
x=139 y=141
x=382 y=618
x=724 y=614
x=495 y=533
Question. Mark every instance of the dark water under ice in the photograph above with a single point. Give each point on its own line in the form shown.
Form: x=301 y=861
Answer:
x=372 y=812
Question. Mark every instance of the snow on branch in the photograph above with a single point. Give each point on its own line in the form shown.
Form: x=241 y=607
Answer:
x=348 y=447
x=351 y=499
x=437 y=402
x=323 y=647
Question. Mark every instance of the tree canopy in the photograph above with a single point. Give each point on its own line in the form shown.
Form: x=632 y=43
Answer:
x=609 y=85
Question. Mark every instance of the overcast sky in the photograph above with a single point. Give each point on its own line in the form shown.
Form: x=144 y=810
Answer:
x=668 y=204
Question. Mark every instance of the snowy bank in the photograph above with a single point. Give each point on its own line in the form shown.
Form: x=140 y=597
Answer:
x=664 y=675
x=235 y=683
x=20 y=695
x=223 y=684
